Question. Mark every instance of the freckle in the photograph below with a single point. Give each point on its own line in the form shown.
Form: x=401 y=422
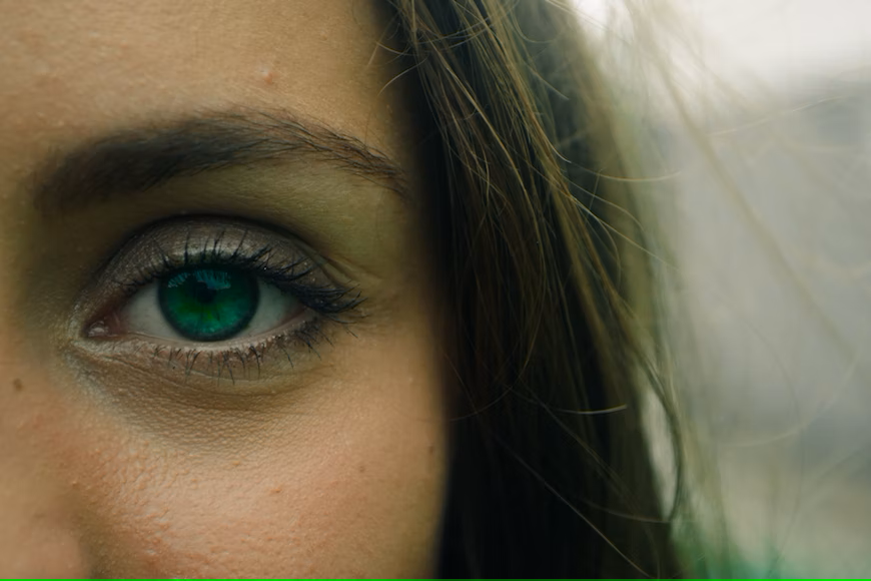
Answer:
x=431 y=449
x=362 y=468
x=17 y=385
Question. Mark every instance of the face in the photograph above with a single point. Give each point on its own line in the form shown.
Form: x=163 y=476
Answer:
x=220 y=353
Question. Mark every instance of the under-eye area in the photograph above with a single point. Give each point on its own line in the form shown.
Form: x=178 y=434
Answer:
x=217 y=297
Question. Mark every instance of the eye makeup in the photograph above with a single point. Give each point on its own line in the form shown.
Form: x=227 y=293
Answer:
x=214 y=297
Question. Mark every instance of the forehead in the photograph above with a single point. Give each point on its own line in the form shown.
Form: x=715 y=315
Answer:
x=73 y=68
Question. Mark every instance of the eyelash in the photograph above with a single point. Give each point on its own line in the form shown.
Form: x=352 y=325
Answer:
x=327 y=301
x=324 y=299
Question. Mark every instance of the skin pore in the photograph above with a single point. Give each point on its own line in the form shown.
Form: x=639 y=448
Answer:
x=264 y=140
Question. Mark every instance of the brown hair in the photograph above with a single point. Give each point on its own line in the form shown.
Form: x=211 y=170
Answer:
x=549 y=278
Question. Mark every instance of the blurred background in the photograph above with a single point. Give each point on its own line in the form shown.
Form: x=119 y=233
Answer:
x=771 y=186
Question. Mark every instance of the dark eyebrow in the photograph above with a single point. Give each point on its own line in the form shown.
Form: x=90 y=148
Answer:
x=141 y=158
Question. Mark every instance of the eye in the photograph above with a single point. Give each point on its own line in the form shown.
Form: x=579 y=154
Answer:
x=215 y=297
x=209 y=303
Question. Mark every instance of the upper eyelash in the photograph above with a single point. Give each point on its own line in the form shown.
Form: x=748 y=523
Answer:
x=325 y=299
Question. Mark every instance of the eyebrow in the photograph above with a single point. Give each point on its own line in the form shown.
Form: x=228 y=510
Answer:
x=138 y=159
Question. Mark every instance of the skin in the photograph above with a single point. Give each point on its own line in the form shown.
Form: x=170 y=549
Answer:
x=114 y=461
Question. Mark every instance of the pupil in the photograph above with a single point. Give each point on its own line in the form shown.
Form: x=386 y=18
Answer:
x=208 y=304
x=203 y=293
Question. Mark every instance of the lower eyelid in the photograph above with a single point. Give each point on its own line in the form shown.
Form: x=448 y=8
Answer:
x=268 y=365
x=265 y=364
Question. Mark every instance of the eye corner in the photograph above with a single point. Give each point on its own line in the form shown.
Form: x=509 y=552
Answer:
x=97 y=330
x=104 y=325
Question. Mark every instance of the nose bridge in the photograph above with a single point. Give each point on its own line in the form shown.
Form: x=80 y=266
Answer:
x=38 y=531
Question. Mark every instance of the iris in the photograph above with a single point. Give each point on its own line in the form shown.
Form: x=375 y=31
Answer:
x=208 y=304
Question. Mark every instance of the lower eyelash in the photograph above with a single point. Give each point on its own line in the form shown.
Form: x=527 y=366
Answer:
x=234 y=362
x=288 y=342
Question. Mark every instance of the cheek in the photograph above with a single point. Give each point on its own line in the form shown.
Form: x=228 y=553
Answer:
x=350 y=484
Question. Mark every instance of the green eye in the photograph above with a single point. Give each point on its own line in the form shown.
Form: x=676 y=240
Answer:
x=208 y=304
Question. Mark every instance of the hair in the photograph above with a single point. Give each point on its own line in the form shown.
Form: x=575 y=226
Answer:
x=549 y=273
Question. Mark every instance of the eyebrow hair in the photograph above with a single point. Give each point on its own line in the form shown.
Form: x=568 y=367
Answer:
x=137 y=159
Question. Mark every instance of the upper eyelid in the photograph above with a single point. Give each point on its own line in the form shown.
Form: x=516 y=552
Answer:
x=261 y=261
x=189 y=242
